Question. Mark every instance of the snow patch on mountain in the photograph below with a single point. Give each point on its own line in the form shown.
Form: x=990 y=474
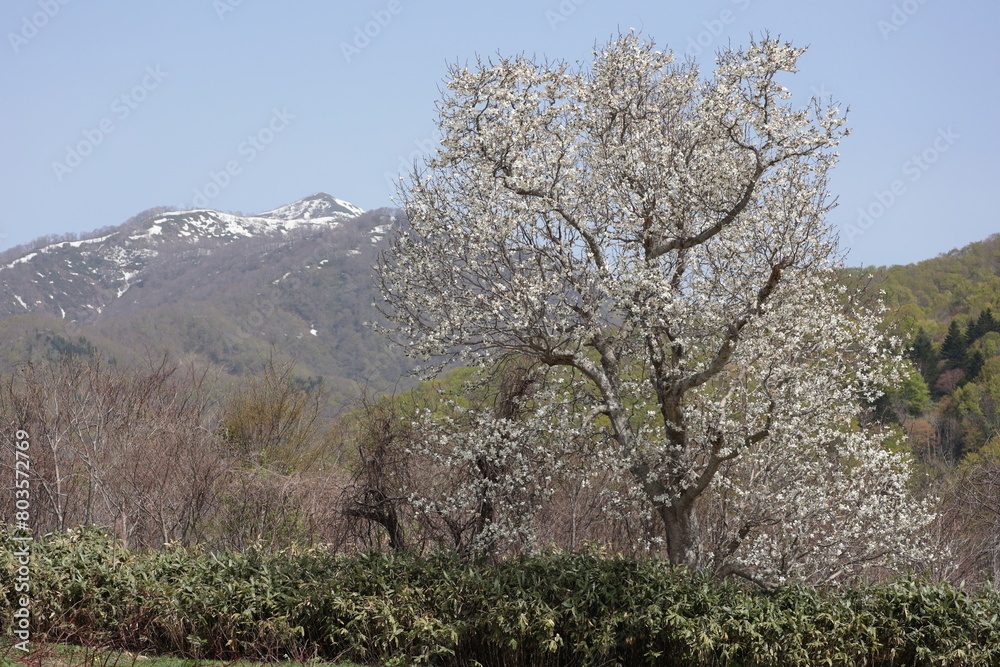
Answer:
x=26 y=258
x=316 y=207
x=77 y=244
x=380 y=231
x=205 y=223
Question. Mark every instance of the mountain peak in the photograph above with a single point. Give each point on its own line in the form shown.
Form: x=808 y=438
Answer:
x=318 y=205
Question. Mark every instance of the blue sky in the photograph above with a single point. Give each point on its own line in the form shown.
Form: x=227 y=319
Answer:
x=245 y=105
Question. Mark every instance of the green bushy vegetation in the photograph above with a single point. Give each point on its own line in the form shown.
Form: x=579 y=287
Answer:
x=546 y=609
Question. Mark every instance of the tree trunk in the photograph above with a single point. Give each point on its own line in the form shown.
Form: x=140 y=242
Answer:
x=681 y=527
x=680 y=524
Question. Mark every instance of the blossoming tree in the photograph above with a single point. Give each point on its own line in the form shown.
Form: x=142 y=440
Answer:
x=656 y=238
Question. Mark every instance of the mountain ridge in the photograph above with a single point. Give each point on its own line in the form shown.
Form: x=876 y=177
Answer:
x=93 y=272
x=957 y=283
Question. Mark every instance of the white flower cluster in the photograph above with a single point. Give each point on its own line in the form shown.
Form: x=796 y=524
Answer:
x=500 y=467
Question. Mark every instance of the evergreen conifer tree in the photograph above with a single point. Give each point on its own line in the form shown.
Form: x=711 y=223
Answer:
x=955 y=348
x=924 y=356
x=986 y=322
x=972 y=331
x=974 y=365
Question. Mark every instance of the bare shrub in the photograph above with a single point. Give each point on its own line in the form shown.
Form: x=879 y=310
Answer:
x=130 y=450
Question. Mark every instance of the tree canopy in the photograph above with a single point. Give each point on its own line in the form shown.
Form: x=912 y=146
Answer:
x=654 y=241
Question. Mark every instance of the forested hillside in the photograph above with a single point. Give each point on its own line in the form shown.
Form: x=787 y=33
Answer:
x=946 y=307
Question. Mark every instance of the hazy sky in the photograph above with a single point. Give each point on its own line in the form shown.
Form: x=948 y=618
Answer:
x=110 y=108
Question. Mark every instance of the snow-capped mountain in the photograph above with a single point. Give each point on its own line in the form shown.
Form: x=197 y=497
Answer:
x=80 y=279
x=222 y=288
